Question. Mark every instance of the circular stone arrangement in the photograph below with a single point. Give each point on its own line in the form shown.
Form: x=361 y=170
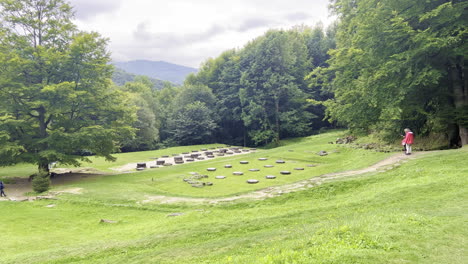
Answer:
x=228 y=166
x=220 y=177
x=252 y=181
x=262 y=159
x=254 y=170
x=237 y=173
x=211 y=169
x=280 y=161
x=270 y=177
x=243 y=162
x=285 y=172
x=268 y=166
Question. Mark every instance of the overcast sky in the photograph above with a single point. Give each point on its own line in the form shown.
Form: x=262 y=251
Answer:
x=187 y=32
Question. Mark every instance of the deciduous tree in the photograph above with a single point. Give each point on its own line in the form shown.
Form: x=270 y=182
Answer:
x=57 y=98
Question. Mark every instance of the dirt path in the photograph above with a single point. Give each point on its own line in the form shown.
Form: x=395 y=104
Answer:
x=388 y=163
x=17 y=191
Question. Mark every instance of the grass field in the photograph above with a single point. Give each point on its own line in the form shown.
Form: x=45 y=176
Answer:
x=413 y=213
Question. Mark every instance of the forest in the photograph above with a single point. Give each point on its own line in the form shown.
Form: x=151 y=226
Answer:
x=381 y=67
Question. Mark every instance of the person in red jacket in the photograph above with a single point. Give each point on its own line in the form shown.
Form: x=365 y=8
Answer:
x=408 y=140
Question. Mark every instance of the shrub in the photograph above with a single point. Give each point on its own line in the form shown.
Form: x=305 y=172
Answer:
x=41 y=182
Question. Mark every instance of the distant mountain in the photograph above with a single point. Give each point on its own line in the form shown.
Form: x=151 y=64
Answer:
x=120 y=77
x=157 y=69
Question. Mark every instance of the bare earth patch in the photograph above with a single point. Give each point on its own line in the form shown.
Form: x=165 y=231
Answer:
x=18 y=190
x=386 y=164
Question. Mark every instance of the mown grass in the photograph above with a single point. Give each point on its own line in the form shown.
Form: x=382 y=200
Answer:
x=101 y=164
x=415 y=213
x=132 y=187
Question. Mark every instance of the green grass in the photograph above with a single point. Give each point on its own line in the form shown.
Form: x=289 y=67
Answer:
x=101 y=164
x=415 y=213
x=132 y=157
x=20 y=170
x=169 y=180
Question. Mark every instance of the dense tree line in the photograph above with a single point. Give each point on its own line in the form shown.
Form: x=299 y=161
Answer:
x=260 y=90
x=251 y=96
x=399 y=64
x=384 y=66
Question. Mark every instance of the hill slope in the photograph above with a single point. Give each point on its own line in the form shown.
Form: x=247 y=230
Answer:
x=157 y=69
x=120 y=77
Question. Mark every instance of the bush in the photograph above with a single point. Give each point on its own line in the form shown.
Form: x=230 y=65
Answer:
x=41 y=182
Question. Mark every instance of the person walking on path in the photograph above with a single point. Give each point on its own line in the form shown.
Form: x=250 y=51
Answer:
x=408 y=140
x=2 y=193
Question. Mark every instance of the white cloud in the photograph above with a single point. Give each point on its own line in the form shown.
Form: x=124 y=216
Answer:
x=86 y=9
x=188 y=32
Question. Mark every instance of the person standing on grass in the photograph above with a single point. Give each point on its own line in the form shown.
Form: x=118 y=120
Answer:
x=408 y=140
x=2 y=193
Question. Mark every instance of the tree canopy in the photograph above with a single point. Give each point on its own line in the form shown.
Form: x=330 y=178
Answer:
x=399 y=64
x=261 y=89
x=57 y=97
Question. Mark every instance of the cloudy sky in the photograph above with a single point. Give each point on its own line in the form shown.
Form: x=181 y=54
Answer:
x=187 y=32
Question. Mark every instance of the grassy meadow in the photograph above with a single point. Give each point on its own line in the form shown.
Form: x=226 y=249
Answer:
x=413 y=213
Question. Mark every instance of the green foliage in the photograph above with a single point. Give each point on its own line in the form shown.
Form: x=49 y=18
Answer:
x=165 y=108
x=397 y=64
x=147 y=124
x=56 y=89
x=41 y=182
x=222 y=75
x=192 y=124
x=272 y=82
x=260 y=89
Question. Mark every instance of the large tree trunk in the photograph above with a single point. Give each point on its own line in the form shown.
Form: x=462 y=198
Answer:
x=458 y=80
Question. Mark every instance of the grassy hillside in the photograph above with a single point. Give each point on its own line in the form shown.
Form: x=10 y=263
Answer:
x=413 y=213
